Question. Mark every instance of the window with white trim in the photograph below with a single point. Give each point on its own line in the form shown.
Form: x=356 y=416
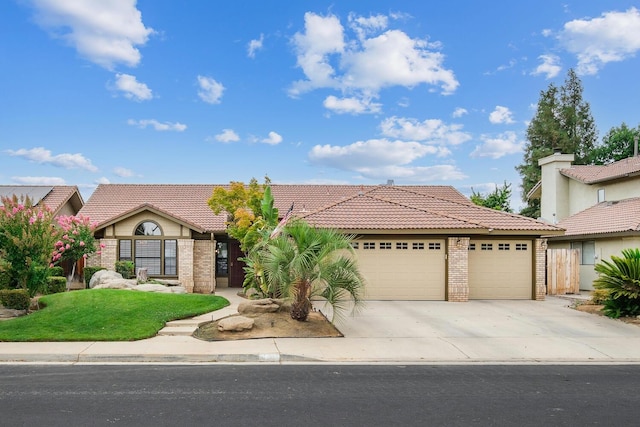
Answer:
x=587 y=251
x=150 y=250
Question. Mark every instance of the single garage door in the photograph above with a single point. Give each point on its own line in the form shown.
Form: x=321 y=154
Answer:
x=500 y=269
x=402 y=269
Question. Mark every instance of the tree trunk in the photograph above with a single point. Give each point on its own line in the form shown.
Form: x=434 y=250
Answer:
x=301 y=305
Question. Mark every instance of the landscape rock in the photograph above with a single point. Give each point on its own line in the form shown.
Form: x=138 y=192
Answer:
x=9 y=313
x=116 y=284
x=154 y=287
x=266 y=305
x=103 y=275
x=235 y=324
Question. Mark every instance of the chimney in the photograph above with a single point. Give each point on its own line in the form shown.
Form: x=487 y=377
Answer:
x=390 y=182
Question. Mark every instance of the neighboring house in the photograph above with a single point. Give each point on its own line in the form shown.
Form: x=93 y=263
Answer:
x=598 y=206
x=63 y=200
x=413 y=242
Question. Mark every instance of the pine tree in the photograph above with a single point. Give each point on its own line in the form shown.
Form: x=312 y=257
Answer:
x=562 y=122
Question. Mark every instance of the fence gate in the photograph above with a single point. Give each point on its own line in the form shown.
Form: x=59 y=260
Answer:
x=563 y=271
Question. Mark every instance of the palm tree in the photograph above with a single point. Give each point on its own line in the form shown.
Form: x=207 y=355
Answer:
x=304 y=262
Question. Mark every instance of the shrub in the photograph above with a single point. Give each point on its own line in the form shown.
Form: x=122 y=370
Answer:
x=56 y=271
x=17 y=299
x=5 y=274
x=621 y=278
x=55 y=284
x=599 y=296
x=126 y=268
x=89 y=272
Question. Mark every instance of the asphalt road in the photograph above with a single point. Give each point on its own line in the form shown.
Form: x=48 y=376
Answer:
x=319 y=395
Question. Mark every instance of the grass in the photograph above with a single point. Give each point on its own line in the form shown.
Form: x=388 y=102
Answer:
x=105 y=315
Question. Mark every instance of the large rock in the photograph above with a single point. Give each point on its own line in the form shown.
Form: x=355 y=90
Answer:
x=102 y=276
x=154 y=287
x=235 y=324
x=266 y=305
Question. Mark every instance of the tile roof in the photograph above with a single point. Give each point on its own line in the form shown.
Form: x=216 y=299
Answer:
x=345 y=207
x=54 y=196
x=591 y=174
x=605 y=218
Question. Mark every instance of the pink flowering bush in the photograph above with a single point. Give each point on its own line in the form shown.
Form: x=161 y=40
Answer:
x=75 y=239
x=27 y=235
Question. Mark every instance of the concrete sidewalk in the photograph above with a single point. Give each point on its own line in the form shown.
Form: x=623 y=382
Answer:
x=384 y=332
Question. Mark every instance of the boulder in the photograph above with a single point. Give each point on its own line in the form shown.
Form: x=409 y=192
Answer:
x=116 y=284
x=103 y=275
x=266 y=305
x=154 y=287
x=235 y=324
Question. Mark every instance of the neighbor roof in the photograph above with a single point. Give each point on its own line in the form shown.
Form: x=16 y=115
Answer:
x=55 y=197
x=591 y=174
x=346 y=207
x=605 y=218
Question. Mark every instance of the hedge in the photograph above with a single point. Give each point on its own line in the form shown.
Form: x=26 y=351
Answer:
x=17 y=299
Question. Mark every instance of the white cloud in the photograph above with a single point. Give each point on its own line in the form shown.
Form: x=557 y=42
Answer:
x=65 y=160
x=133 y=89
x=227 y=135
x=368 y=62
x=106 y=32
x=38 y=180
x=210 y=90
x=432 y=131
x=550 y=66
x=161 y=127
x=502 y=145
x=459 y=112
x=123 y=172
x=351 y=105
x=501 y=115
x=272 y=139
x=254 y=45
x=546 y=32
x=102 y=180
x=612 y=37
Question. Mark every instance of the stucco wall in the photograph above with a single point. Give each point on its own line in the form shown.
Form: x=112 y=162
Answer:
x=584 y=196
x=169 y=228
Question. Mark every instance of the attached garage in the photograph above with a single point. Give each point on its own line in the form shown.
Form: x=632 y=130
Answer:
x=402 y=269
x=500 y=269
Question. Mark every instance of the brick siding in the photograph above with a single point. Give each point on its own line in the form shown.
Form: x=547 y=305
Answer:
x=458 y=269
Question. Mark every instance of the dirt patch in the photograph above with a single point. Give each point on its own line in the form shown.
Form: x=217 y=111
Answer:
x=272 y=325
x=597 y=310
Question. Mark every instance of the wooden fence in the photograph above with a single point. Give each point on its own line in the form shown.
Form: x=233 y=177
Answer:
x=563 y=271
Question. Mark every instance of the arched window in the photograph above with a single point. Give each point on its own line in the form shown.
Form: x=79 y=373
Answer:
x=148 y=228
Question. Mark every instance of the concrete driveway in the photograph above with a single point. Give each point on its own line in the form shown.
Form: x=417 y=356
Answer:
x=478 y=331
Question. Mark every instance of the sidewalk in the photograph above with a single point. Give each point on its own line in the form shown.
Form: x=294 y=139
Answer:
x=384 y=332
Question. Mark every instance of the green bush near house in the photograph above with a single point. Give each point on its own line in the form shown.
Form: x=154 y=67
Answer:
x=5 y=274
x=621 y=278
x=56 y=271
x=126 y=268
x=17 y=299
x=55 y=284
x=89 y=272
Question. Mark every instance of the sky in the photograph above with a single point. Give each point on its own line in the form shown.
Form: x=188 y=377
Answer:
x=304 y=92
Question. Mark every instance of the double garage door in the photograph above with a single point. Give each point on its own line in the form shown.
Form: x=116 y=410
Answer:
x=415 y=269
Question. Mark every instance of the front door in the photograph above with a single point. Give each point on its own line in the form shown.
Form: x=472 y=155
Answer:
x=236 y=272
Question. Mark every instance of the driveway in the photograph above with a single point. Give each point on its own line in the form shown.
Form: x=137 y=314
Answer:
x=479 y=331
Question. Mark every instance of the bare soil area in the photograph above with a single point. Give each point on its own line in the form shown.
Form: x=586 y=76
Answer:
x=272 y=325
x=597 y=310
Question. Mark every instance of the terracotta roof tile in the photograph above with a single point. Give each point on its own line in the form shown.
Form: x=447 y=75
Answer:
x=341 y=206
x=605 y=218
x=590 y=174
x=55 y=196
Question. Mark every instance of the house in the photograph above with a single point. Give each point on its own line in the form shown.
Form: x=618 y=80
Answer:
x=61 y=199
x=413 y=242
x=598 y=206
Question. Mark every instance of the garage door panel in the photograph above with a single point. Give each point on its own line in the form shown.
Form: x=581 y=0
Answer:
x=403 y=272
x=500 y=269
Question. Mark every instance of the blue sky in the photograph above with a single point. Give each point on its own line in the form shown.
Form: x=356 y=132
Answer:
x=347 y=92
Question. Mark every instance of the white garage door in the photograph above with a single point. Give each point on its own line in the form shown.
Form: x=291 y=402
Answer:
x=500 y=269
x=397 y=269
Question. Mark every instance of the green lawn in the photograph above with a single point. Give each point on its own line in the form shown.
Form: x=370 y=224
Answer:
x=106 y=315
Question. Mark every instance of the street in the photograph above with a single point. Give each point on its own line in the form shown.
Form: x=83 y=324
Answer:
x=310 y=395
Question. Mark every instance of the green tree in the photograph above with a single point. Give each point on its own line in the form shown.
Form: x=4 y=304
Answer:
x=562 y=122
x=304 y=262
x=243 y=206
x=616 y=145
x=27 y=238
x=498 y=199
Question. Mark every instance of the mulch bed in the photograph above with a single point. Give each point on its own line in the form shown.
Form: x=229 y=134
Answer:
x=272 y=325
